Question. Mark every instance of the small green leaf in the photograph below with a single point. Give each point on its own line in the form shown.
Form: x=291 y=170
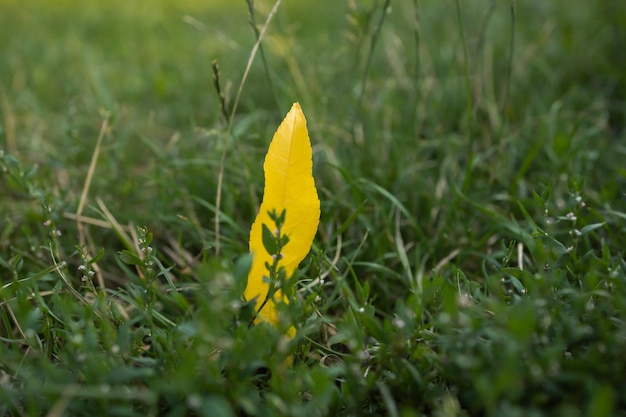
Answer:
x=148 y=238
x=97 y=257
x=16 y=263
x=240 y=273
x=517 y=284
x=591 y=227
x=269 y=241
x=562 y=260
x=130 y=258
x=280 y=220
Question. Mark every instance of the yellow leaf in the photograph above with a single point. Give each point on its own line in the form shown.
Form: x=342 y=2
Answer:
x=289 y=185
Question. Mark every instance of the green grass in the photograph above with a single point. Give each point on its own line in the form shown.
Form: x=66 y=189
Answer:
x=469 y=158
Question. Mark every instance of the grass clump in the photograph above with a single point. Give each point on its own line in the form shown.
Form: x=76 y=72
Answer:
x=470 y=254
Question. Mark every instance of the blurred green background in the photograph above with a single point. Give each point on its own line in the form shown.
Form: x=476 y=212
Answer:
x=469 y=158
x=522 y=84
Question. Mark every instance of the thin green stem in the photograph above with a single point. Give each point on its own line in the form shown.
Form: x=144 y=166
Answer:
x=370 y=58
x=257 y=34
x=220 y=175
